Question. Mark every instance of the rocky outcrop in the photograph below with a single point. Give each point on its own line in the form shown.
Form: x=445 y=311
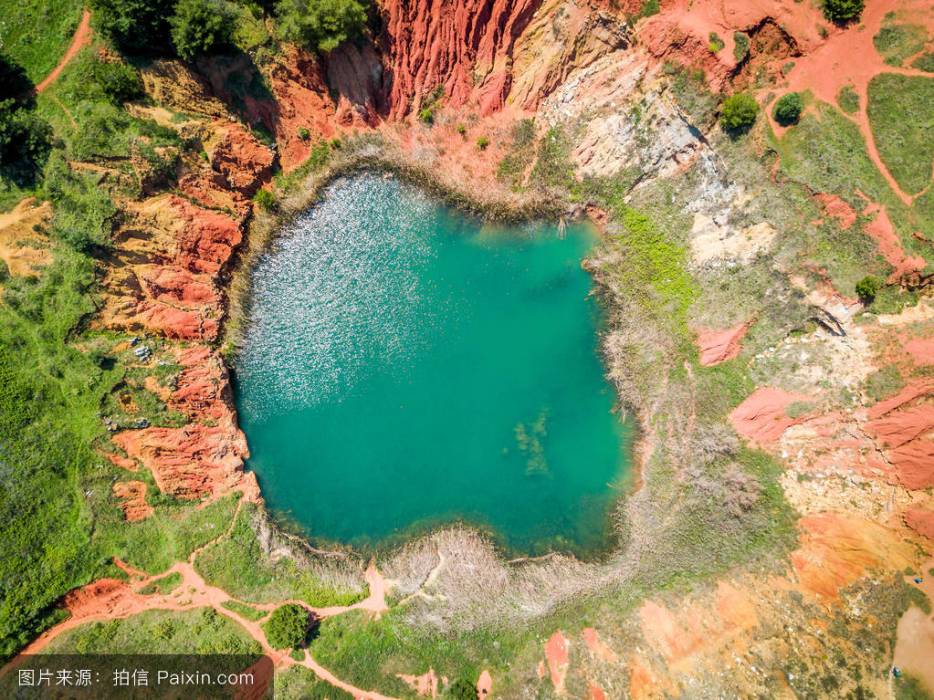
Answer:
x=236 y=155
x=132 y=497
x=464 y=48
x=204 y=457
x=718 y=346
x=763 y=417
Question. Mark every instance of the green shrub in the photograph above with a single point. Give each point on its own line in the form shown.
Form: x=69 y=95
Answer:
x=740 y=46
x=462 y=129
x=13 y=79
x=201 y=27
x=320 y=24
x=483 y=142
x=898 y=42
x=25 y=142
x=739 y=112
x=135 y=26
x=848 y=99
x=303 y=133
x=461 y=689
x=867 y=288
x=84 y=216
x=266 y=200
x=843 y=11
x=788 y=108
x=287 y=627
x=924 y=62
x=716 y=43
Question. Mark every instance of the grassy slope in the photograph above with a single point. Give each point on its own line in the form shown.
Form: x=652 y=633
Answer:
x=901 y=114
x=35 y=33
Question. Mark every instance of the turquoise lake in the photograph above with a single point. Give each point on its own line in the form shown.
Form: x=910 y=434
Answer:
x=405 y=366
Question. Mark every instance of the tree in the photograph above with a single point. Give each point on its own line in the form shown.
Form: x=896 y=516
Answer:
x=287 y=627
x=320 y=24
x=461 y=689
x=739 y=112
x=843 y=11
x=25 y=142
x=867 y=288
x=201 y=27
x=13 y=79
x=788 y=109
x=135 y=26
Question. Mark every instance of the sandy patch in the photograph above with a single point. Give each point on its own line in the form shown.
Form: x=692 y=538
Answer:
x=21 y=248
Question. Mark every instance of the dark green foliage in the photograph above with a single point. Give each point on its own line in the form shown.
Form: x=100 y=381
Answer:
x=649 y=8
x=738 y=113
x=924 y=62
x=287 y=627
x=788 y=108
x=461 y=689
x=848 y=99
x=135 y=26
x=201 y=27
x=843 y=11
x=867 y=288
x=13 y=79
x=25 y=141
x=740 y=46
x=91 y=78
x=320 y=24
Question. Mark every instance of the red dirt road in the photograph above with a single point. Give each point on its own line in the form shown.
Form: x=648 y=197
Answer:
x=81 y=38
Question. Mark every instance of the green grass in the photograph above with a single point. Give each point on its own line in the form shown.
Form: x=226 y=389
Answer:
x=883 y=383
x=848 y=99
x=896 y=42
x=159 y=632
x=244 y=610
x=924 y=62
x=908 y=687
x=163 y=585
x=299 y=683
x=36 y=33
x=901 y=114
x=239 y=566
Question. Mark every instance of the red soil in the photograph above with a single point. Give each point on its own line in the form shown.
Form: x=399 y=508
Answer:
x=558 y=658
x=837 y=209
x=921 y=521
x=890 y=246
x=484 y=685
x=761 y=417
x=718 y=346
x=466 y=47
x=596 y=646
x=904 y=425
x=80 y=39
x=921 y=350
x=132 y=495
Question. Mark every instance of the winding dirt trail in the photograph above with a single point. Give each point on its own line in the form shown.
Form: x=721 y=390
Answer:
x=111 y=599
x=80 y=39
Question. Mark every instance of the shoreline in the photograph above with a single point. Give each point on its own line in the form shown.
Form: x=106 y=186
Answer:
x=366 y=154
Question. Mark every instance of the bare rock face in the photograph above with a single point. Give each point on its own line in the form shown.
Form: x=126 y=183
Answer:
x=240 y=158
x=466 y=48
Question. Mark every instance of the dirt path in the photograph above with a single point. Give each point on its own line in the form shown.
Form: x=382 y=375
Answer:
x=81 y=38
x=110 y=599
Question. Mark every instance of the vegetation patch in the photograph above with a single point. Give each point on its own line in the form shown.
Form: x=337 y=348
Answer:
x=788 y=108
x=848 y=99
x=36 y=33
x=738 y=113
x=163 y=585
x=245 y=611
x=287 y=627
x=897 y=41
x=902 y=120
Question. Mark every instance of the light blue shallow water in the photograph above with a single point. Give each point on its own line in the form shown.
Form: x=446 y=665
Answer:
x=406 y=366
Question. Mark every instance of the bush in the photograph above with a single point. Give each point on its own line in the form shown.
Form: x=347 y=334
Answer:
x=25 y=142
x=287 y=627
x=201 y=27
x=483 y=142
x=84 y=215
x=739 y=112
x=716 y=43
x=13 y=79
x=461 y=689
x=788 y=109
x=867 y=288
x=843 y=11
x=90 y=78
x=848 y=99
x=135 y=26
x=740 y=46
x=320 y=24
x=266 y=200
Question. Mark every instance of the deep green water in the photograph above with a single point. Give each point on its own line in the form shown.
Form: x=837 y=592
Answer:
x=405 y=366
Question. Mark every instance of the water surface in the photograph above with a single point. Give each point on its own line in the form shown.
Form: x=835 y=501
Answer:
x=405 y=366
